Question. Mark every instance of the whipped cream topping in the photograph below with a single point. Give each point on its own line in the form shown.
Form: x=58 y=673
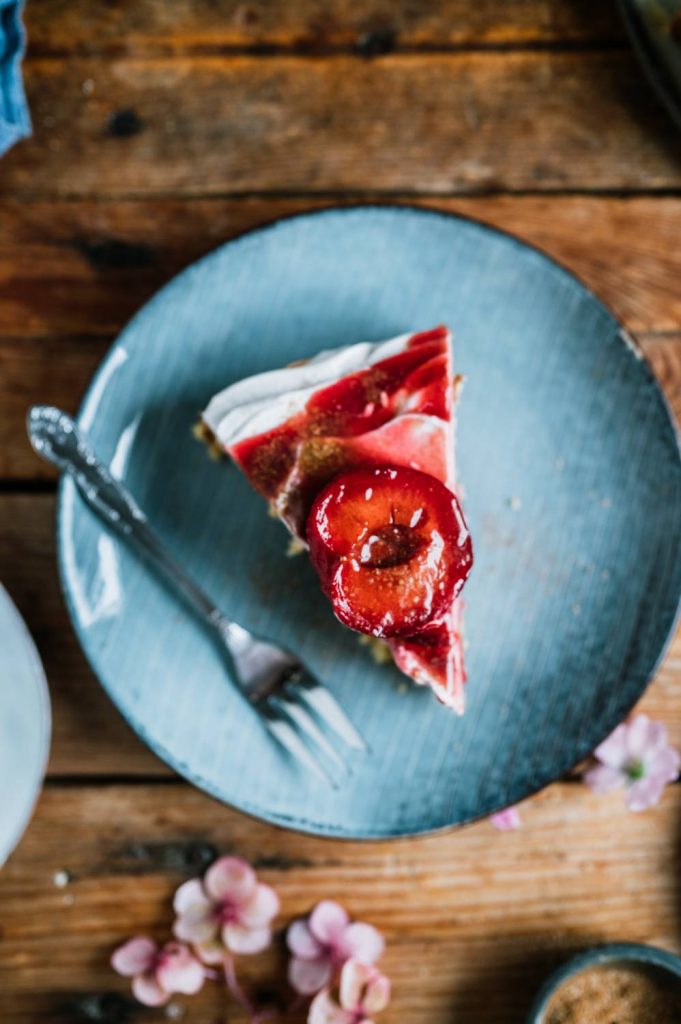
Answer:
x=257 y=404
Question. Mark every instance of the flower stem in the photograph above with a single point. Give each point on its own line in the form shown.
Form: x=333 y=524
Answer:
x=256 y=1016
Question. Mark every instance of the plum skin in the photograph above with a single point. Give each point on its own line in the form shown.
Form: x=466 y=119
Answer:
x=391 y=548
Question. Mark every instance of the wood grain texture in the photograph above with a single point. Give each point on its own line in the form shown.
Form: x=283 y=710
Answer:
x=90 y=738
x=473 y=920
x=39 y=371
x=83 y=267
x=456 y=123
x=312 y=25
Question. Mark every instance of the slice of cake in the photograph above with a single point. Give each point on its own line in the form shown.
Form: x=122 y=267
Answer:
x=354 y=451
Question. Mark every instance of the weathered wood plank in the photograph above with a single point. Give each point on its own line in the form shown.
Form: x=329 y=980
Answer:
x=473 y=919
x=83 y=267
x=49 y=371
x=312 y=25
x=457 y=123
x=90 y=738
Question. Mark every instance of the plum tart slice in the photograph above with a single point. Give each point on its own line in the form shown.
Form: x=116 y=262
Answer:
x=354 y=451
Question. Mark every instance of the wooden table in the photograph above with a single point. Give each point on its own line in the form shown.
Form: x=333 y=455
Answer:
x=162 y=129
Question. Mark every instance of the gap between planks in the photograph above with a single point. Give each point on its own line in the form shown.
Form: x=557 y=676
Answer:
x=368 y=27
x=351 y=197
x=359 y=50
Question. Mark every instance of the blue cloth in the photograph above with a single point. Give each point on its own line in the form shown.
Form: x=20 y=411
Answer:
x=15 y=122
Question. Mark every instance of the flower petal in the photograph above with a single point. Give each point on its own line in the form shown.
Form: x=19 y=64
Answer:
x=665 y=764
x=179 y=970
x=260 y=908
x=328 y=921
x=645 y=793
x=377 y=994
x=613 y=751
x=656 y=740
x=604 y=779
x=189 y=894
x=147 y=990
x=644 y=737
x=210 y=952
x=134 y=957
x=197 y=924
x=362 y=942
x=302 y=942
x=323 y=1010
x=246 y=940
x=309 y=976
x=354 y=977
x=506 y=820
x=230 y=878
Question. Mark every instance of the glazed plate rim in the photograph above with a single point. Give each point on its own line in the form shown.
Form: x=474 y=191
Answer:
x=298 y=823
x=35 y=671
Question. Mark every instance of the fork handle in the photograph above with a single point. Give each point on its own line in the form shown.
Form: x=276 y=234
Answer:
x=57 y=438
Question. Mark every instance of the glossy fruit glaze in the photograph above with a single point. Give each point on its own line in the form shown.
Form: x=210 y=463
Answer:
x=391 y=548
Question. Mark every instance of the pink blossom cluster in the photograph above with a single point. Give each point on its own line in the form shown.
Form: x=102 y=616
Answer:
x=230 y=912
x=332 y=958
x=328 y=948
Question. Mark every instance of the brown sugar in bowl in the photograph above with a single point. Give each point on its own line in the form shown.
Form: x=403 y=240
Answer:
x=620 y=984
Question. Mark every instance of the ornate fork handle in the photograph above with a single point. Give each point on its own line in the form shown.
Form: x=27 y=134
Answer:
x=56 y=437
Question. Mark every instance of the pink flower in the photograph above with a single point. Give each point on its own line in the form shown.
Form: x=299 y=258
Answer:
x=322 y=943
x=229 y=910
x=506 y=820
x=363 y=992
x=158 y=972
x=635 y=755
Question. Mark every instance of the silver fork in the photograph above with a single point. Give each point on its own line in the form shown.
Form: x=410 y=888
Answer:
x=291 y=703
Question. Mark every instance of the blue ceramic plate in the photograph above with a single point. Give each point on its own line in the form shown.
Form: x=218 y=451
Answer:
x=572 y=481
x=24 y=725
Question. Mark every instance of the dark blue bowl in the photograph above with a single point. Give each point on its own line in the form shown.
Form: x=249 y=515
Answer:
x=623 y=953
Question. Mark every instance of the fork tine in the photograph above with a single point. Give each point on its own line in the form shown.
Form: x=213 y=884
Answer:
x=285 y=733
x=329 y=710
x=298 y=709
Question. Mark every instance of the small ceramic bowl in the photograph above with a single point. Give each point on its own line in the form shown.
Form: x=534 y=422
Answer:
x=628 y=953
x=24 y=724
